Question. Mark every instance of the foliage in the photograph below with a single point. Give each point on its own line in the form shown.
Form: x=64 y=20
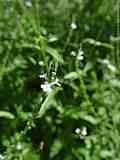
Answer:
x=59 y=80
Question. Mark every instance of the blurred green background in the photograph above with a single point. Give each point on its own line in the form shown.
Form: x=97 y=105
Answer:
x=59 y=80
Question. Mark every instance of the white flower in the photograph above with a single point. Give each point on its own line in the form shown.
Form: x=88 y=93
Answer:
x=81 y=52
x=80 y=55
x=28 y=3
x=81 y=132
x=46 y=87
x=41 y=63
x=73 y=53
x=42 y=76
x=73 y=25
x=84 y=131
x=53 y=76
x=77 y=130
x=19 y=146
x=1 y=157
x=80 y=58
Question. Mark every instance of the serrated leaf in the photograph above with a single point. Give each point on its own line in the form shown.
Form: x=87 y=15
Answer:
x=54 y=53
x=5 y=114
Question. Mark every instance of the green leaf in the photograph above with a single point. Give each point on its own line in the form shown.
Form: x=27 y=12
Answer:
x=55 y=148
x=46 y=104
x=89 y=119
x=106 y=153
x=115 y=83
x=77 y=114
x=98 y=43
x=88 y=67
x=5 y=114
x=71 y=76
x=54 y=53
x=32 y=46
x=32 y=60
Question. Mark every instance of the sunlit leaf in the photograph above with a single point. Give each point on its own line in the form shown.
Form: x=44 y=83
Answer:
x=78 y=114
x=5 y=114
x=46 y=104
x=54 y=53
x=55 y=148
x=71 y=76
x=88 y=67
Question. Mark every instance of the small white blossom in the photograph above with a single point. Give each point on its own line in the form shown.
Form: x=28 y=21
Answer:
x=81 y=132
x=80 y=58
x=46 y=87
x=84 y=131
x=77 y=130
x=42 y=76
x=28 y=4
x=73 y=53
x=80 y=54
x=73 y=25
x=53 y=75
x=41 y=63
x=1 y=157
x=19 y=146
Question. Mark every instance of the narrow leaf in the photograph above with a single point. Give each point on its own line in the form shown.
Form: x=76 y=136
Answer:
x=55 y=148
x=77 y=114
x=54 y=53
x=71 y=76
x=5 y=114
x=46 y=104
x=88 y=67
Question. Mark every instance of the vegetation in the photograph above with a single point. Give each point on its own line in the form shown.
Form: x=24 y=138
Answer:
x=59 y=80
